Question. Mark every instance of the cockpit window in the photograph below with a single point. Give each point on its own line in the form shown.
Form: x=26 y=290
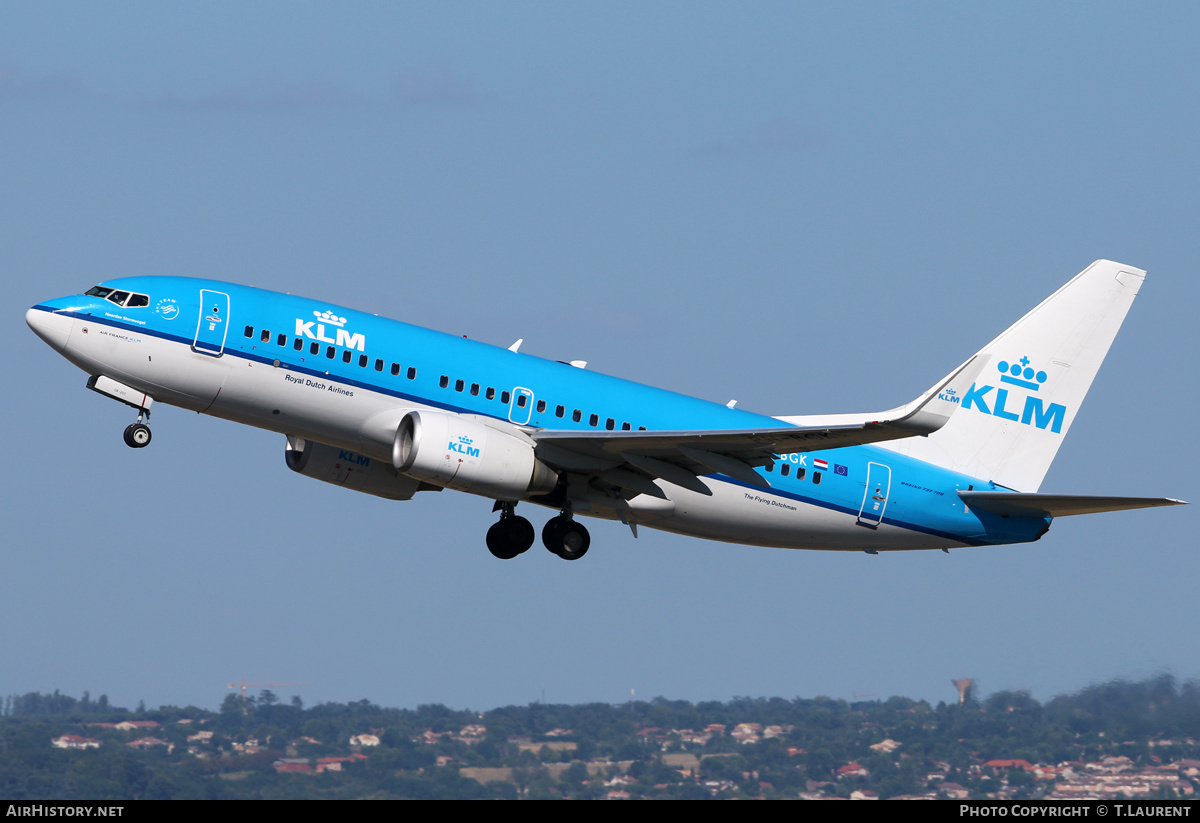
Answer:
x=121 y=298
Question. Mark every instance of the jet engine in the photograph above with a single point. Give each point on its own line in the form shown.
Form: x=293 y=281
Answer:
x=351 y=470
x=470 y=456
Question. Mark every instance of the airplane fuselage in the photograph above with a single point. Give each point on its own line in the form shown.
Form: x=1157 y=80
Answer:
x=322 y=373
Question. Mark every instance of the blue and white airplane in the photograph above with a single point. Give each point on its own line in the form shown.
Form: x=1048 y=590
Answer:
x=391 y=409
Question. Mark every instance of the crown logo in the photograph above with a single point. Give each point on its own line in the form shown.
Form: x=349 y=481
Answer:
x=1020 y=373
x=466 y=441
x=330 y=317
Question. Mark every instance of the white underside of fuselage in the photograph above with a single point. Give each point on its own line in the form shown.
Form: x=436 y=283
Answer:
x=321 y=409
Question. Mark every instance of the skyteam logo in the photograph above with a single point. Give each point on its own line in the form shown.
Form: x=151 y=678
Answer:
x=167 y=308
x=1021 y=374
x=328 y=318
x=463 y=446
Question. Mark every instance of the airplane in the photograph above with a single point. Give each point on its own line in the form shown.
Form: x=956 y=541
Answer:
x=391 y=409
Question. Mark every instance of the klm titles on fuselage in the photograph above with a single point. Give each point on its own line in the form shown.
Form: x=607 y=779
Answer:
x=305 y=328
x=1034 y=411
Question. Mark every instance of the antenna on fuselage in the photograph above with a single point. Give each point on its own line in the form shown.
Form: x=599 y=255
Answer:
x=516 y=345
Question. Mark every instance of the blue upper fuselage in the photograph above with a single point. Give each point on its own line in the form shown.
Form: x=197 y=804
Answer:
x=431 y=368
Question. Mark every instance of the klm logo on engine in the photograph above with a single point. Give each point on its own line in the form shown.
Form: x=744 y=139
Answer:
x=1034 y=412
x=463 y=446
x=342 y=338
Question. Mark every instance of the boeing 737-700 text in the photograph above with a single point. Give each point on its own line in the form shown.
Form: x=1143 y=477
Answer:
x=391 y=409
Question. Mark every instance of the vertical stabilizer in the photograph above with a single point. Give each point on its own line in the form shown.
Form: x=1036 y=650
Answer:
x=1015 y=415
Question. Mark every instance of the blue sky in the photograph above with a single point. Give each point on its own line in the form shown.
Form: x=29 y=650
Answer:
x=806 y=207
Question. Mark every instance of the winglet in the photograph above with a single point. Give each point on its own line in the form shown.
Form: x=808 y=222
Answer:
x=932 y=410
x=923 y=416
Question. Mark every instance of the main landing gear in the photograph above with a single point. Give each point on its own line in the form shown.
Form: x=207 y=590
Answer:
x=137 y=435
x=566 y=538
x=513 y=535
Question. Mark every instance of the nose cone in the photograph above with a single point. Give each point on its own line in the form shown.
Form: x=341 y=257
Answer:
x=51 y=327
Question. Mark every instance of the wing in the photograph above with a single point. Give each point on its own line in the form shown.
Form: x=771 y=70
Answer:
x=633 y=460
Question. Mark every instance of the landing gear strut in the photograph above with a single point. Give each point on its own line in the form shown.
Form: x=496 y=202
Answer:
x=566 y=538
x=137 y=435
x=511 y=536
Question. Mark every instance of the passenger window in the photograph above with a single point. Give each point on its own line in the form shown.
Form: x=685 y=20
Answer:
x=444 y=382
x=610 y=424
x=800 y=473
x=378 y=364
x=346 y=355
x=522 y=400
x=505 y=397
x=330 y=351
x=281 y=340
x=315 y=348
x=362 y=361
x=816 y=478
x=559 y=411
x=395 y=369
x=249 y=332
x=785 y=469
x=299 y=345
x=458 y=385
x=266 y=336
x=625 y=427
x=412 y=373
x=577 y=415
x=474 y=389
x=490 y=394
x=769 y=467
x=641 y=428
x=541 y=406
x=593 y=419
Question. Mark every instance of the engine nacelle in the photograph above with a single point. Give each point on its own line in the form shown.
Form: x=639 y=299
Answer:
x=469 y=456
x=348 y=469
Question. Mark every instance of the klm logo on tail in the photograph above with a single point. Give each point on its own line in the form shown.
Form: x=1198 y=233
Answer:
x=1034 y=412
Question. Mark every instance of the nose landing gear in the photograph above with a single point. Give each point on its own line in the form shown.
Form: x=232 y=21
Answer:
x=137 y=435
x=512 y=535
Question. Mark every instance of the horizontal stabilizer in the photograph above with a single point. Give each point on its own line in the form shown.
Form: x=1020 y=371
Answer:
x=1058 y=505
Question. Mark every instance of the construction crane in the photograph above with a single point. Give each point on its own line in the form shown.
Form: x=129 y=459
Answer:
x=243 y=684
